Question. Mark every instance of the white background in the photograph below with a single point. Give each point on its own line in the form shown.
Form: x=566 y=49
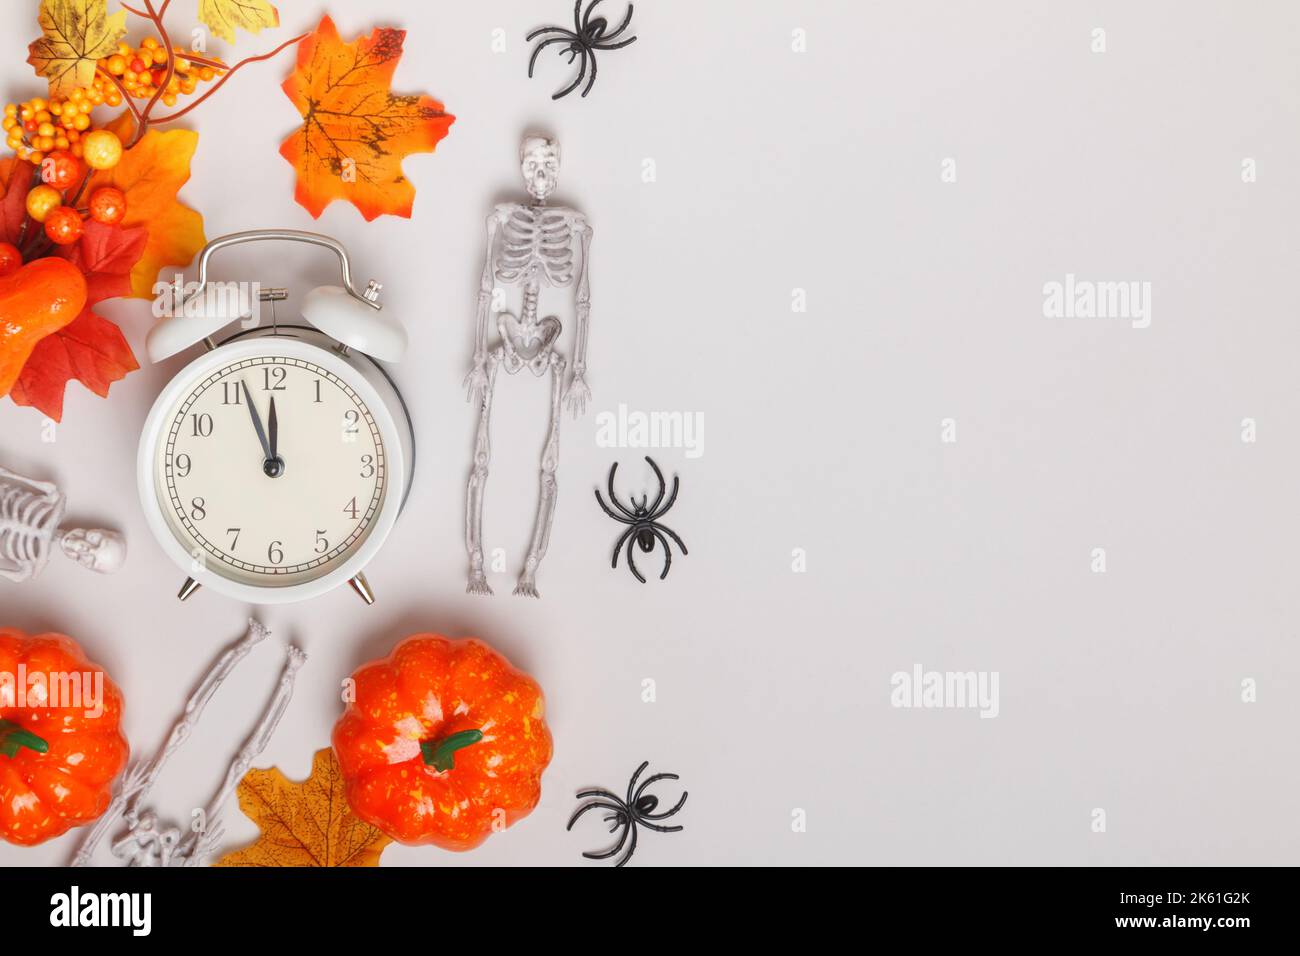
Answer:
x=779 y=170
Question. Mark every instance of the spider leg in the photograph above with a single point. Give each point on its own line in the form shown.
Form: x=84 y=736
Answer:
x=591 y=82
x=582 y=75
x=667 y=813
x=656 y=512
x=613 y=46
x=630 y=563
x=612 y=851
x=662 y=487
x=672 y=534
x=614 y=498
x=586 y=19
x=603 y=794
x=634 y=796
x=661 y=829
x=577 y=15
x=631 y=847
x=668 y=553
x=619 y=545
x=615 y=806
x=532 y=61
x=622 y=26
x=544 y=30
x=631 y=786
x=616 y=517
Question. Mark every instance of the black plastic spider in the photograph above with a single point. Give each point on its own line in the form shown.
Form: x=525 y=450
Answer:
x=637 y=810
x=644 y=522
x=587 y=36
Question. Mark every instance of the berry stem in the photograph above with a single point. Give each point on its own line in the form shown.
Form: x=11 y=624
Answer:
x=126 y=97
x=204 y=61
x=156 y=16
x=231 y=72
x=85 y=181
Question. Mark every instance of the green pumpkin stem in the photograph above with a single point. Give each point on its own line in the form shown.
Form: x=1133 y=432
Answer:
x=441 y=754
x=12 y=737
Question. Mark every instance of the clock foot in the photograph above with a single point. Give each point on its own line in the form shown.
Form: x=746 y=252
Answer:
x=362 y=587
x=188 y=588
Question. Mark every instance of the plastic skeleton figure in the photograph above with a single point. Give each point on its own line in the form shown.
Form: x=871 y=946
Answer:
x=30 y=512
x=529 y=245
x=149 y=842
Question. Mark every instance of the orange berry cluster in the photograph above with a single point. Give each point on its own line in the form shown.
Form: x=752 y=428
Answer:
x=142 y=71
x=37 y=127
x=62 y=176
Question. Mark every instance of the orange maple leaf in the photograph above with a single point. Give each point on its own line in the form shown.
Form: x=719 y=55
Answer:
x=355 y=131
x=305 y=824
x=151 y=173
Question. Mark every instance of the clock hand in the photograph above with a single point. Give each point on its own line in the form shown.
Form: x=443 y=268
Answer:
x=273 y=427
x=257 y=426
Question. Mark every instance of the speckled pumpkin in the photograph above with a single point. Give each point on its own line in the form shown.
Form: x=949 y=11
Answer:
x=57 y=763
x=443 y=743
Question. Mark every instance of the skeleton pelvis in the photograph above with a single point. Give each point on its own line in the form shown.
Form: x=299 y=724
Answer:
x=527 y=344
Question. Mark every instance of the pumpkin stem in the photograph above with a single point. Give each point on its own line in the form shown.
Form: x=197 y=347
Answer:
x=441 y=754
x=13 y=737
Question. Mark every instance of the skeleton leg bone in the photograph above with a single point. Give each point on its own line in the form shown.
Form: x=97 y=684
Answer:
x=478 y=481
x=527 y=584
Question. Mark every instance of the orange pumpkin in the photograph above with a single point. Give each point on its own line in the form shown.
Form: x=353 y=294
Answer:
x=444 y=743
x=40 y=298
x=60 y=742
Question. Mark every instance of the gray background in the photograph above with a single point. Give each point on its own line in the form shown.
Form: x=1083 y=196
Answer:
x=820 y=170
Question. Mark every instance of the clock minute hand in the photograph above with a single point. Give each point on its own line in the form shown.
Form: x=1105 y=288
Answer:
x=257 y=422
x=273 y=427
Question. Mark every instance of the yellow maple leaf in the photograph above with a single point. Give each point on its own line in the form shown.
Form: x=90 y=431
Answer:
x=304 y=824
x=223 y=16
x=75 y=34
x=356 y=131
x=151 y=173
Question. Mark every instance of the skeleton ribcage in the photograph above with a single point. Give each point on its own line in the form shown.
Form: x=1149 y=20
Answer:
x=536 y=241
x=27 y=522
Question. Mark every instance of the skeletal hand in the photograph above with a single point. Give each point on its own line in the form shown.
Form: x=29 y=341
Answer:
x=475 y=381
x=577 y=396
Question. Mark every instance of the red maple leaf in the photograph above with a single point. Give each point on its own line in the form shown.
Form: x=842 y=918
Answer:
x=90 y=349
x=15 y=181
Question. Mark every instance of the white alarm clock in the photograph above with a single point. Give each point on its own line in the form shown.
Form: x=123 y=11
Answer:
x=273 y=467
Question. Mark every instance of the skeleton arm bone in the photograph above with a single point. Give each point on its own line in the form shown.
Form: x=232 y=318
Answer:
x=139 y=780
x=477 y=378
x=255 y=744
x=578 y=394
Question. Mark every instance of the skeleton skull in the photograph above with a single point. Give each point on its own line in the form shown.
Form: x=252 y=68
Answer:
x=539 y=161
x=94 y=548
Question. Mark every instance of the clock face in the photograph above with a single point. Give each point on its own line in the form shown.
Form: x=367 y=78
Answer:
x=271 y=470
